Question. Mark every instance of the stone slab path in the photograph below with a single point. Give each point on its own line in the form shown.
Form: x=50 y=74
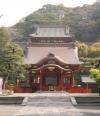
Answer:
x=49 y=104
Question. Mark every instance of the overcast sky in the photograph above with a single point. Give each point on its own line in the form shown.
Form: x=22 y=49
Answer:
x=14 y=10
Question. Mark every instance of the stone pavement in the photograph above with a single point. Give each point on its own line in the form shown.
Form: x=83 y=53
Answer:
x=9 y=110
x=49 y=104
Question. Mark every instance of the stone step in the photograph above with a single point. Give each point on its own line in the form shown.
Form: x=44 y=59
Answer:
x=11 y=100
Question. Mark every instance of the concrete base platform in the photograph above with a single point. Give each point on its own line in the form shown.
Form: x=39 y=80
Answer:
x=49 y=104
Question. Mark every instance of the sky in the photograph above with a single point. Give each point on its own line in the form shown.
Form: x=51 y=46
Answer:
x=14 y=10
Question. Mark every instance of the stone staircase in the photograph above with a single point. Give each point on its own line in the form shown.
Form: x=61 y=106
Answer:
x=49 y=104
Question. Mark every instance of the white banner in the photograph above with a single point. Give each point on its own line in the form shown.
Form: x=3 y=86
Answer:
x=1 y=83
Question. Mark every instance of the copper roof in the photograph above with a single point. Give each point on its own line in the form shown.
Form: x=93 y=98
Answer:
x=51 y=31
x=65 y=54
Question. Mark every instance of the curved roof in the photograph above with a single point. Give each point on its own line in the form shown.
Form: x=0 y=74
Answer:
x=51 y=65
x=52 y=31
x=67 y=55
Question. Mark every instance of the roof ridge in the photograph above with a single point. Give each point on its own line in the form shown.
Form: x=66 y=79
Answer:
x=52 y=25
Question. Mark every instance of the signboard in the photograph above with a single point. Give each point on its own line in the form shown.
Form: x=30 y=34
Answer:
x=1 y=83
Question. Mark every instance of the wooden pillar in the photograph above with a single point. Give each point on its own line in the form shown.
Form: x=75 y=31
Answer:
x=73 y=81
x=40 y=80
x=62 y=80
x=30 y=78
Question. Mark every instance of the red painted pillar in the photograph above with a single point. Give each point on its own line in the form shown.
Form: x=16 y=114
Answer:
x=73 y=79
x=30 y=78
x=40 y=80
x=62 y=80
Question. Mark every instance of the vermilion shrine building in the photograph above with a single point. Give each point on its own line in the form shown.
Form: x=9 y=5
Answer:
x=53 y=57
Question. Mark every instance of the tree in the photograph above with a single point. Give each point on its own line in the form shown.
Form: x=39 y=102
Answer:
x=82 y=49
x=11 y=57
x=95 y=73
x=4 y=39
x=94 y=50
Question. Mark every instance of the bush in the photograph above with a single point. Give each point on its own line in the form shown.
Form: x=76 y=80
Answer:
x=10 y=82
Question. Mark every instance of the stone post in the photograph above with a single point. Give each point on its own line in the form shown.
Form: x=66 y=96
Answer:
x=1 y=83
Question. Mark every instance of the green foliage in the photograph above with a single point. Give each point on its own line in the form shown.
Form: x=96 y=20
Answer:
x=89 y=55
x=84 y=21
x=10 y=82
x=11 y=57
x=88 y=51
x=82 y=49
x=4 y=38
x=95 y=73
x=22 y=77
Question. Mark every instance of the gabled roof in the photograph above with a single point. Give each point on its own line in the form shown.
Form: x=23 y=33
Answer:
x=51 y=31
x=67 y=55
x=51 y=59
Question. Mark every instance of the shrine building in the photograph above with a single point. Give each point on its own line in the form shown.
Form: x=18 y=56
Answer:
x=53 y=57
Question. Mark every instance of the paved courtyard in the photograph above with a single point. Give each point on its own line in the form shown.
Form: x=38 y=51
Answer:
x=48 y=104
